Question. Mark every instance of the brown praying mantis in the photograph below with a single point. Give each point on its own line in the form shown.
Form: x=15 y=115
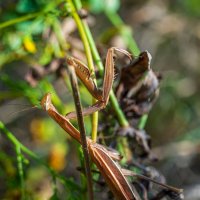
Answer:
x=102 y=157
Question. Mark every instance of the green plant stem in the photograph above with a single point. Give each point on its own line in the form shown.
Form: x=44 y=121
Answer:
x=125 y=31
x=142 y=122
x=55 y=189
x=95 y=53
x=19 y=19
x=95 y=118
x=89 y=60
x=20 y=169
x=77 y=4
x=120 y=115
x=126 y=34
x=59 y=35
x=16 y=142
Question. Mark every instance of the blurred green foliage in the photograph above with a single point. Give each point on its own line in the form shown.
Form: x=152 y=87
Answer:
x=192 y=7
x=99 y=6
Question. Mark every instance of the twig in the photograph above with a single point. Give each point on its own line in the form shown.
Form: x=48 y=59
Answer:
x=140 y=176
x=79 y=113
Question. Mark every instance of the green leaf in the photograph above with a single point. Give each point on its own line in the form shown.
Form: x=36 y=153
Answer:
x=192 y=6
x=31 y=27
x=54 y=197
x=97 y=6
x=111 y=5
x=25 y=6
x=13 y=40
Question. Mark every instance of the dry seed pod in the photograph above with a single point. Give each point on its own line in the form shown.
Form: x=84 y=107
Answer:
x=138 y=87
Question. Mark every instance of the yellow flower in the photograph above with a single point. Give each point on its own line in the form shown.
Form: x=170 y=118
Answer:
x=29 y=44
x=57 y=156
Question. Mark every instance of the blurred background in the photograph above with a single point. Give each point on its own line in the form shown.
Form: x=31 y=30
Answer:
x=169 y=30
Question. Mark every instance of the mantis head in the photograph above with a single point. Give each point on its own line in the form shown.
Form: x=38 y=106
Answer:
x=46 y=102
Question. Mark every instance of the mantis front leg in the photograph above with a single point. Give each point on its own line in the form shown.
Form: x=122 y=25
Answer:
x=84 y=75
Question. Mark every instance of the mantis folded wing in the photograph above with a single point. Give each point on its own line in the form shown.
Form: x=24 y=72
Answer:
x=111 y=172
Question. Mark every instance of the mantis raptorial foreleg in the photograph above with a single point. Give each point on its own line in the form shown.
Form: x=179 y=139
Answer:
x=84 y=75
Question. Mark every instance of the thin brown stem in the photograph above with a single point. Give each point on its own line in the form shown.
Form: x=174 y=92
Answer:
x=79 y=113
x=140 y=176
